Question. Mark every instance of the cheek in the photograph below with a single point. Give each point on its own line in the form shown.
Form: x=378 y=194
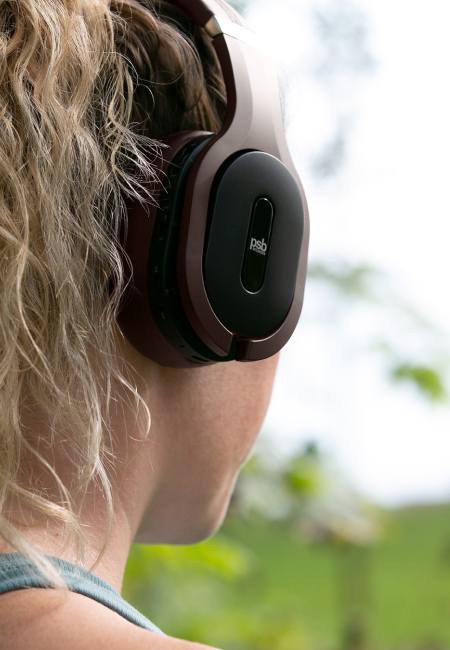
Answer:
x=213 y=429
x=245 y=392
x=204 y=425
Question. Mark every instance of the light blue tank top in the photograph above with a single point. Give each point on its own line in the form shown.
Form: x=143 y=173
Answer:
x=16 y=572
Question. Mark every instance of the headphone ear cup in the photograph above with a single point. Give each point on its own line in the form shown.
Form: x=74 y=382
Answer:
x=163 y=291
x=252 y=253
x=149 y=314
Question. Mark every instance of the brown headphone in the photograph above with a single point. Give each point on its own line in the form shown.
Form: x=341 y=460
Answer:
x=218 y=265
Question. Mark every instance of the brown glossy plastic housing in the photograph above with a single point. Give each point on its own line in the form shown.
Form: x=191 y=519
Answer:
x=254 y=121
x=201 y=11
x=135 y=318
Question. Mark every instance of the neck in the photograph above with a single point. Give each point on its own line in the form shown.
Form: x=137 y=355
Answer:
x=52 y=539
x=131 y=489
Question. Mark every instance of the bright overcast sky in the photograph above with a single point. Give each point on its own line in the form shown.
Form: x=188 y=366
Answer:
x=387 y=206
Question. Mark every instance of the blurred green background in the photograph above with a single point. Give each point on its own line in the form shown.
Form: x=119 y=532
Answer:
x=302 y=563
x=324 y=547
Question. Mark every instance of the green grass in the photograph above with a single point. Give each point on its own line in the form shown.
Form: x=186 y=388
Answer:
x=289 y=570
x=294 y=595
x=411 y=581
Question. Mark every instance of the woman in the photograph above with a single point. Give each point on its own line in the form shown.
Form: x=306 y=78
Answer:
x=85 y=85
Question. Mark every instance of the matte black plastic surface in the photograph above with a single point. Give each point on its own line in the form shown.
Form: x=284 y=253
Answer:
x=243 y=179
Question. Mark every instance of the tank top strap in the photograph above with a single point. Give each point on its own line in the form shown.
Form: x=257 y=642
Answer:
x=16 y=572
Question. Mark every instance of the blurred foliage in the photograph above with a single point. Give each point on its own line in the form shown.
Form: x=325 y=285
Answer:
x=276 y=491
x=343 y=30
x=309 y=495
x=352 y=281
x=219 y=557
x=333 y=155
x=344 y=58
x=302 y=474
x=427 y=380
x=363 y=283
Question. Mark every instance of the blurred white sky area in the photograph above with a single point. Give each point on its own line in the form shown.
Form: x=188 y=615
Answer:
x=368 y=110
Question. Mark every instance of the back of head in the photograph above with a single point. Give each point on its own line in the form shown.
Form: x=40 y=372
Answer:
x=86 y=89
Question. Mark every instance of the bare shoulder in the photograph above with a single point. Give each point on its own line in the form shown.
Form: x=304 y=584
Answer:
x=45 y=619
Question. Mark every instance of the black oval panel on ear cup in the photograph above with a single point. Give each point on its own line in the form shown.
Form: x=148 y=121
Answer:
x=243 y=179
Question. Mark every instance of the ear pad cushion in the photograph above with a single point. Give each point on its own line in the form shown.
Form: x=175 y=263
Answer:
x=162 y=286
x=241 y=183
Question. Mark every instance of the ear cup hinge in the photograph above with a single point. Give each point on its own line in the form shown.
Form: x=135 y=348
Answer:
x=218 y=26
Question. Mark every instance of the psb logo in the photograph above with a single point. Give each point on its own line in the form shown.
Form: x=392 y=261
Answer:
x=258 y=245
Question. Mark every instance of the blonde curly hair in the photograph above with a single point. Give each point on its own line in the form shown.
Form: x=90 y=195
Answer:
x=86 y=89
